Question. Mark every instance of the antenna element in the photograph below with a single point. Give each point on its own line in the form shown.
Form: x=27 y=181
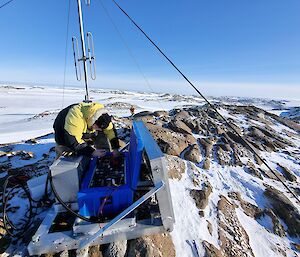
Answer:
x=84 y=58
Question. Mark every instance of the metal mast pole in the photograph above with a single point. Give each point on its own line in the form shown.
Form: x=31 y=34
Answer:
x=83 y=51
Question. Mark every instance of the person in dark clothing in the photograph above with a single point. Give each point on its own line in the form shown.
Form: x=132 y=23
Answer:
x=75 y=128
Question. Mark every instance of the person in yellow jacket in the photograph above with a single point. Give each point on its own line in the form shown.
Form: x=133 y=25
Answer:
x=75 y=125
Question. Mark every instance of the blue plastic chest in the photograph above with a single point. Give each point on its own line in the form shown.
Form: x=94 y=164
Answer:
x=110 y=200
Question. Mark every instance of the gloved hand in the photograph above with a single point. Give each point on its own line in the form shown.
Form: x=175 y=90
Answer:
x=116 y=153
x=99 y=153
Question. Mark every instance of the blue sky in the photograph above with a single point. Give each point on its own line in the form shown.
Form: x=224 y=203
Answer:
x=226 y=47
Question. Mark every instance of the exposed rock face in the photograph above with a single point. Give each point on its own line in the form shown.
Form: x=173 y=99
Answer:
x=116 y=249
x=173 y=131
x=94 y=251
x=253 y=170
x=283 y=207
x=215 y=143
x=193 y=154
x=152 y=246
x=209 y=227
x=161 y=114
x=278 y=229
x=207 y=145
x=223 y=157
x=201 y=197
x=287 y=173
x=233 y=238
x=146 y=118
x=248 y=208
x=211 y=250
x=206 y=164
x=170 y=142
x=175 y=166
x=179 y=126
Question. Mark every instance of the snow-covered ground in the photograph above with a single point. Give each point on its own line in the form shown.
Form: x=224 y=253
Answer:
x=29 y=112
x=21 y=106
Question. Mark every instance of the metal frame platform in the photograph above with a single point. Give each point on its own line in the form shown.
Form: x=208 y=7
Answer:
x=85 y=234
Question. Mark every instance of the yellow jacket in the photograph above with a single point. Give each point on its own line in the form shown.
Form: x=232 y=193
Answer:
x=75 y=120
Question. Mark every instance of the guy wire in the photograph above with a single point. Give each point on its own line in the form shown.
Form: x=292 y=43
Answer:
x=209 y=104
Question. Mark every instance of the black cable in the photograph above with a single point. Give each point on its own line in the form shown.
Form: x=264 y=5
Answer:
x=92 y=220
x=19 y=182
x=5 y=4
x=209 y=104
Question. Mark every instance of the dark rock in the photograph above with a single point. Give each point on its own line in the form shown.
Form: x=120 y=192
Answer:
x=94 y=251
x=207 y=144
x=175 y=167
x=222 y=156
x=211 y=250
x=287 y=173
x=248 y=208
x=193 y=154
x=233 y=238
x=201 y=196
x=236 y=127
x=236 y=155
x=235 y=138
x=199 y=128
x=278 y=229
x=160 y=113
x=179 y=126
x=206 y=164
x=115 y=249
x=284 y=208
x=143 y=114
x=253 y=170
x=170 y=142
x=272 y=175
x=31 y=141
x=160 y=245
x=258 y=160
x=209 y=227
x=287 y=122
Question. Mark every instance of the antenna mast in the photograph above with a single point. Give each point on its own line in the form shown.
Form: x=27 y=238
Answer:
x=84 y=58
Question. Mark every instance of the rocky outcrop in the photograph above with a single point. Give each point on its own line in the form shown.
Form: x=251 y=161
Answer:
x=248 y=208
x=223 y=157
x=175 y=167
x=152 y=246
x=277 y=228
x=193 y=154
x=115 y=249
x=179 y=126
x=211 y=250
x=207 y=144
x=287 y=173
x=284 y=209
x=233 y=237
x=170 y=142
x=201 y=137
x=250 y=167
x=201 y=197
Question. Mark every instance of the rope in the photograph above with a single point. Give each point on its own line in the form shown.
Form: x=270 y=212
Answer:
x=66 y=50
x=128 y=49
x=210 y=105
x=6 y=4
